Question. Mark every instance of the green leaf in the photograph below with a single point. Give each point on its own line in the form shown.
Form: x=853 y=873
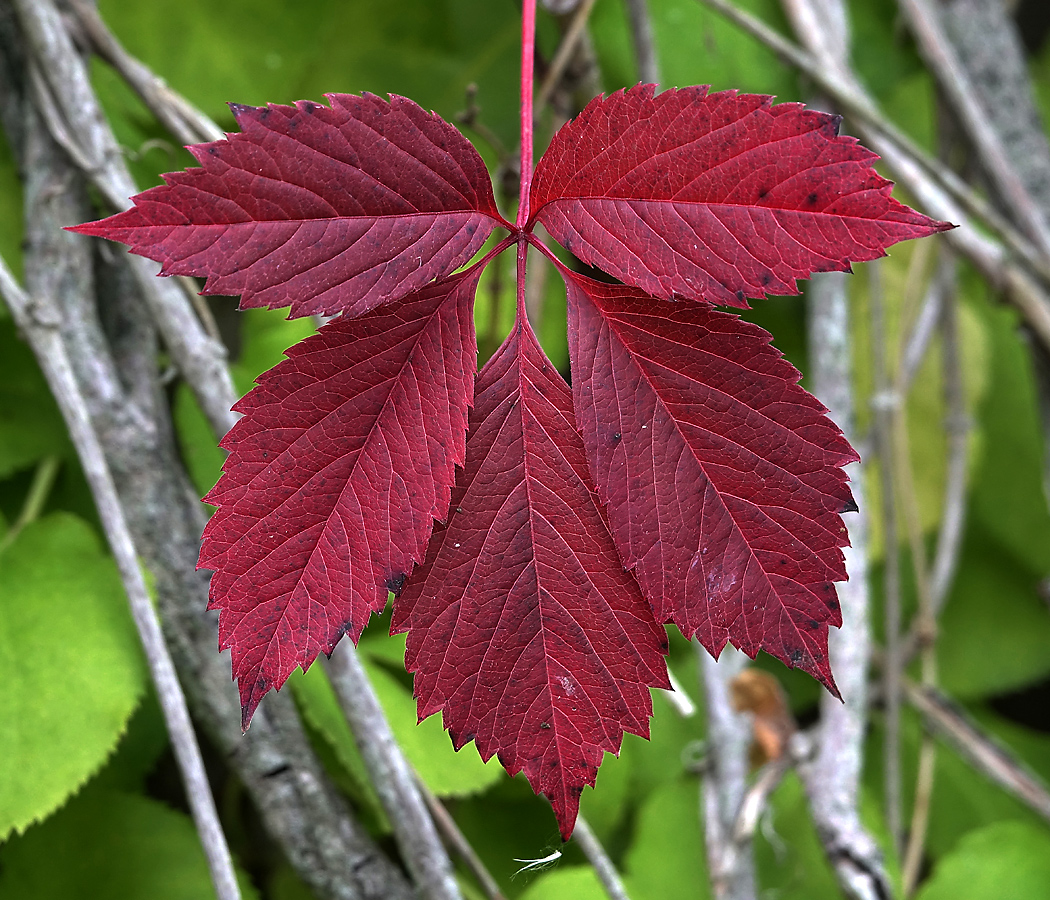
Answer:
x=1005 y=859
x=426 y=746
x=695 y=45
x=70 y=664
x=994 y=632
x=32 y=425
x=666 y=860
x=568 y=883
x=1008 y=498
x=109 y=846
x=429 y=50
x=788 y=854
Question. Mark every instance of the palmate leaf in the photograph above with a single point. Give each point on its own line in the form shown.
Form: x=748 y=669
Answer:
x=531 y=621
x=716 y=197
x=523 y=627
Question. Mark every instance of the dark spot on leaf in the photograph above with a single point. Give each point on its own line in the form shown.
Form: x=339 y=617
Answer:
x=796 y=656
x=812 y=198
x=545 y=725
x=741 y=297
x=395 y=583
x=616 y=438
x=814 y=624
x=766 y=279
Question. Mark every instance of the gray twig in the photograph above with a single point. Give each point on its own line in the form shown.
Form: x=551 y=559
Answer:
x=728 y=739
x=831 y=774
x=564 y=53
x=641 y=27
x=392 y=777
x=200 y=358
x=885 y=402
x=986 y=754
x=954 y=80
x=178 y=115
x=938 y=190
x=603 y=866
x=456 y=841
x=38 y=319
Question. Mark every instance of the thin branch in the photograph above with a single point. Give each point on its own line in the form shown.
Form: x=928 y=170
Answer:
x=456 y=841
x=905 y=489
x=728 y=739
x=939 y=190
x=955 y=82
x=884 y=403
x=200 y=358
x=603 y=866
x=39 y=490
x=832 y=777
x=957 y=426
x=757 y=796
x=678 y=697
x=641 y=27
x=564 y=53
x=176 y=113
x=392 y=776
x=982 y=751
x=38 y=319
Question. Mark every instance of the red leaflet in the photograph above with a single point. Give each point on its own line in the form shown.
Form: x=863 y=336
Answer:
x=722 y=476
x=328 y=210
x=344 y=458
x=715 y=197
x=524 y=628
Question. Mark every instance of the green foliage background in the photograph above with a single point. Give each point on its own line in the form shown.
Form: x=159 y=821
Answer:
x=85 y=772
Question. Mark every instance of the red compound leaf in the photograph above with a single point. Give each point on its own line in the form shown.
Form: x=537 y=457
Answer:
x=715 y=197
x=345 y=456
x=524 y=628
x=326 y=209
x=721 y=474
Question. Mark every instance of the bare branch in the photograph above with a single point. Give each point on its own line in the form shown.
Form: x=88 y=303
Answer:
x=38 y=319
x=200 y=358
x=392 y=777
x=987 y=755
x=603 y=866
x=832 y=776
x=456 y=841
x=938 y=190
x=954 y=80
x=728 y=739
x=176 y=113
x=641 y=27
x=564 y=53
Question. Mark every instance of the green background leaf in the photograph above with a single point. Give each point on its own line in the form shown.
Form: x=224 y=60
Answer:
x=70 y=664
